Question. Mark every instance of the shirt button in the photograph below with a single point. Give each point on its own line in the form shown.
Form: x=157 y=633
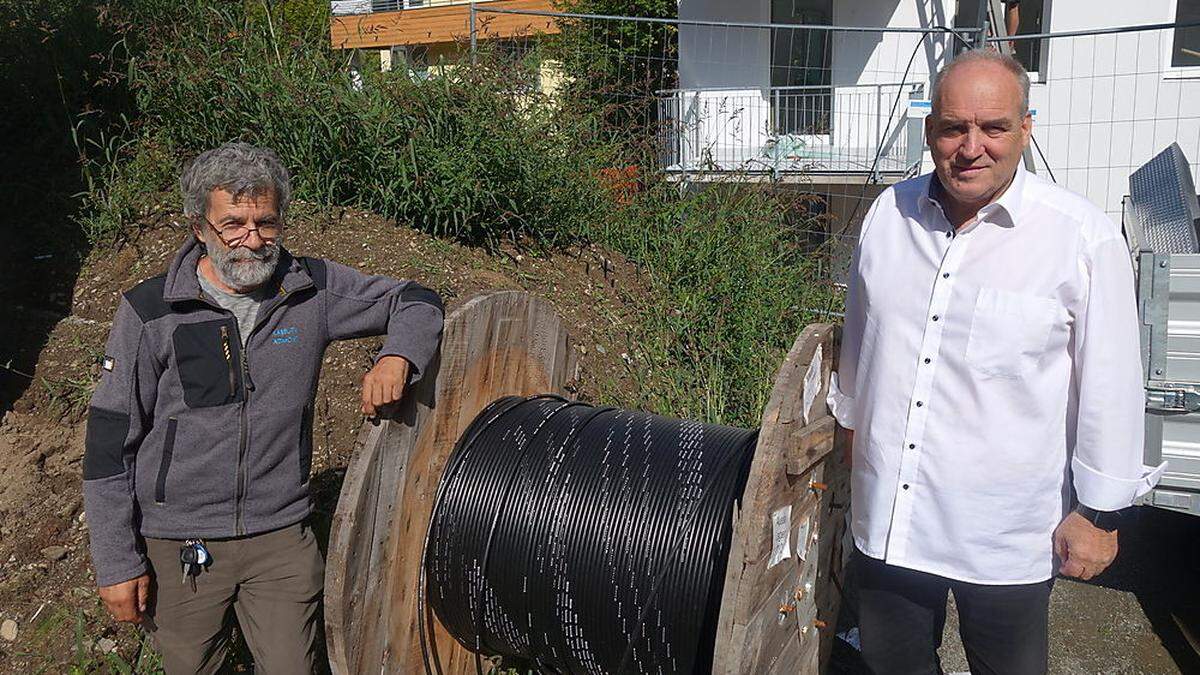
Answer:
x=926 y=360
x=945 y=275
x=905 y=486
x=912 y=446
x=919 y=404
x=935 y=317
x=949 y=234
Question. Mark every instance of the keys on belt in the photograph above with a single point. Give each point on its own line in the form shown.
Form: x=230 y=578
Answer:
x=194 y=557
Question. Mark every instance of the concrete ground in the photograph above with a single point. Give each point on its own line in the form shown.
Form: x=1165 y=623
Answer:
x=1141 y=616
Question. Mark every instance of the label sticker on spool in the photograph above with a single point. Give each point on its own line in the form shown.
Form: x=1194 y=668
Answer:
x=802 y=539
x=781 y=533
x=812 y=383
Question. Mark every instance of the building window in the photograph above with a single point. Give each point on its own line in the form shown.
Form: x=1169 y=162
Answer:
x=1027 y=17
x=1185 y=50
x=801 y=98
x=1017 y=17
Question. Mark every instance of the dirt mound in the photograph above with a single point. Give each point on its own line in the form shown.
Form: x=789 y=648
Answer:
x=46 y=585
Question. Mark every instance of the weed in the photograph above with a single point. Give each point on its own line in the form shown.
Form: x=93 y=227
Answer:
x=733 y=280
x=86 y=655
x=121 y=176
x=68 y=395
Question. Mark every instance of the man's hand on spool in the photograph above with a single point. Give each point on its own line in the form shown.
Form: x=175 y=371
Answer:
x=384 y=384
x=1084 y=549
x=127 y=601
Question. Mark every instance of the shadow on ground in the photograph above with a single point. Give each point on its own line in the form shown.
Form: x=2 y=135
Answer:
x=1159 y=564
x=51 y=76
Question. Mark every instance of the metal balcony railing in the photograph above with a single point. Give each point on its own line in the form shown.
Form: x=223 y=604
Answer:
x=862 y=128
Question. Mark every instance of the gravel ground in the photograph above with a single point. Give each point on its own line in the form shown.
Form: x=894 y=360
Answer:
x=1141 y=616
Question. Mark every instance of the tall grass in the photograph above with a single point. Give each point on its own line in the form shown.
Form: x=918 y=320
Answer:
x=734 y=283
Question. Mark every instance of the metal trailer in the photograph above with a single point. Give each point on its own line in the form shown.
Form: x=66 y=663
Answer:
x=1161 y=216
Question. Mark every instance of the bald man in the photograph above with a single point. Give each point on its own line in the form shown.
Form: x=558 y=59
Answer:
x=990 y=380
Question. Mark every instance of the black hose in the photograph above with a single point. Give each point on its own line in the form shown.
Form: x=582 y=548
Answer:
x=585 y=539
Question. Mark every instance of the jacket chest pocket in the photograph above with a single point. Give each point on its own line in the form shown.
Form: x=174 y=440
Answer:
x=208 y=356
x=1009 y=332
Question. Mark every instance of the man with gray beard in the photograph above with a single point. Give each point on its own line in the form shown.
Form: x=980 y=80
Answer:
x=199 y=438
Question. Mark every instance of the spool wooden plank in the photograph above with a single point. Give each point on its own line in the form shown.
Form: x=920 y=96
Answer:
x=500 y=344
x=772 y=608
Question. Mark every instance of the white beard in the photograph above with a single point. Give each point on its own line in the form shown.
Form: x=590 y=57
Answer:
x=240 y=268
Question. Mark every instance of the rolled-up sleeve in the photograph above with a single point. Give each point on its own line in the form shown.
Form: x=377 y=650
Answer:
x=1107 y=464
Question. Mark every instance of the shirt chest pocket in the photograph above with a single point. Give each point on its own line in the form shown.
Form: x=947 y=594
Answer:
x=1009 y=332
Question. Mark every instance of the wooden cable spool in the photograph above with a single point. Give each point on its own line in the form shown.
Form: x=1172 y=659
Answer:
x=513 y=344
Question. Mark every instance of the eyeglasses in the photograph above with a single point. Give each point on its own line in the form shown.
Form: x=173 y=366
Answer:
x=234 y=235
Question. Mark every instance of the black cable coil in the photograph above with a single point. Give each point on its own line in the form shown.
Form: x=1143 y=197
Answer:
x=585 y=539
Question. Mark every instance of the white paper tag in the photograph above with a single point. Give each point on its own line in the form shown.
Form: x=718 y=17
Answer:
x=812 y=383
x=781 y=533
x=802 y=540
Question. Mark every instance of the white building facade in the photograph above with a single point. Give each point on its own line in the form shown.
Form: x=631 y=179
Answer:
x=846 y=104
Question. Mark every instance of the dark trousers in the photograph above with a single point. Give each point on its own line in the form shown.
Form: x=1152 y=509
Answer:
x=902 y=612
x=271 y=582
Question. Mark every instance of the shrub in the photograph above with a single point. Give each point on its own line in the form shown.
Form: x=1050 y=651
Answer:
x=735 y=283
x=455 y=156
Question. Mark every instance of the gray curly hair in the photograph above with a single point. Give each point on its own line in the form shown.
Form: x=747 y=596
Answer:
x=985 y=55
x=238 y=168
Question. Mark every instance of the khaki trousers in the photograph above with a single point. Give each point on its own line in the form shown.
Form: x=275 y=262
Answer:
x=272 y=582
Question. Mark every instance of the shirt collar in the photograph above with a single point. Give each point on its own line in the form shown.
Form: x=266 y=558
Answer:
x=1009 y=203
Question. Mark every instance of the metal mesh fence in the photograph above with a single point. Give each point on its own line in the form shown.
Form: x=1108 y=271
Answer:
x=755 y=98
x=833 y=107
x=826 y=112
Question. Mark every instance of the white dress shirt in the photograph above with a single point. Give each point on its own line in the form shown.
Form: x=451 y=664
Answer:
x=981 y=370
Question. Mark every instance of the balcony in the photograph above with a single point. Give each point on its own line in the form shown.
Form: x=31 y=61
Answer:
x=817 y=131
x=378 y=24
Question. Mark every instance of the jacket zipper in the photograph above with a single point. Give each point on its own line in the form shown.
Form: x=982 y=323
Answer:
x=225 y=346
x=243 y=423
x=243 y=442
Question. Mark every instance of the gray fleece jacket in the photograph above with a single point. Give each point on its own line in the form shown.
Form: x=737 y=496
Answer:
x=189 y=435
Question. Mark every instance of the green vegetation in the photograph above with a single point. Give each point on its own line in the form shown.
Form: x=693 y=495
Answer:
x=91 y=655
x=732 y=282
x=450 y=155
x=612 y=66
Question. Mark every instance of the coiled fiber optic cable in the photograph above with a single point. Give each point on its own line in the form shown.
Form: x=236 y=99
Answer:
x=585 y=539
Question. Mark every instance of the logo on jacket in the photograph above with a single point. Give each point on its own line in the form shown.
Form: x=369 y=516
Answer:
x=283 y=336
